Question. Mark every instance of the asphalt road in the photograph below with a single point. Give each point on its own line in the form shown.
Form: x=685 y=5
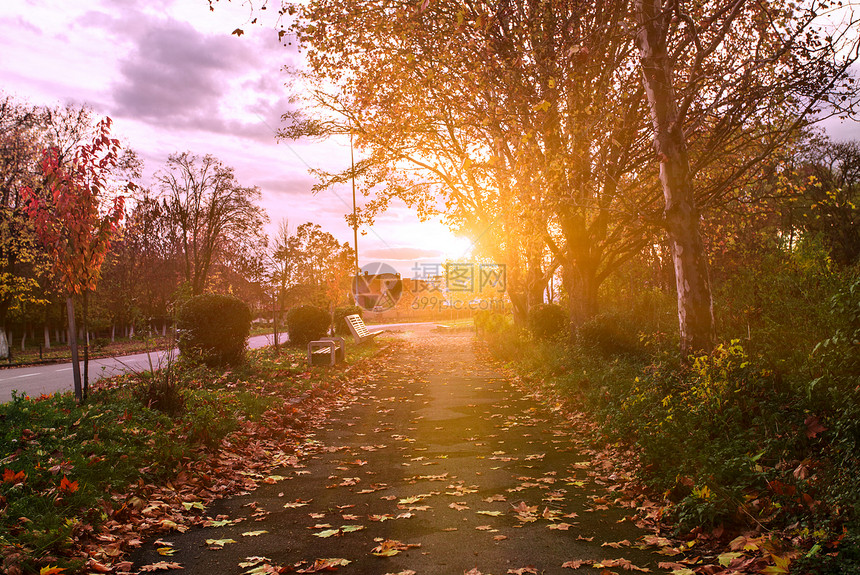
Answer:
x=51 y=378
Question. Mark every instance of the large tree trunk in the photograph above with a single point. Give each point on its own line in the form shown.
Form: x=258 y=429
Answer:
x=695 y=306
x=47 y=331
x=581 y=285
x=73 y=344
x=4 y=343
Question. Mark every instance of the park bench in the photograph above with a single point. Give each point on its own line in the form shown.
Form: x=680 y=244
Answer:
x=326 y=351
x=359 y=329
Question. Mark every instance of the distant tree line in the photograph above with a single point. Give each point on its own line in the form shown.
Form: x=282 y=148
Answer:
x=195 y=229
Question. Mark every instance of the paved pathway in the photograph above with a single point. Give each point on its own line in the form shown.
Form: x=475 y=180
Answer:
x=441 y=458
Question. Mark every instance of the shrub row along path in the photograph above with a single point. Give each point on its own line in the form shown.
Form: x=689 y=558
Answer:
x=437 y=466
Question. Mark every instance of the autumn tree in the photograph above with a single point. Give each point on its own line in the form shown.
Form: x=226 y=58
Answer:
x=513 y=116
x=212 y=218
x=18 y=246
x=723 y=77
x=75 y=216
x=312 y=265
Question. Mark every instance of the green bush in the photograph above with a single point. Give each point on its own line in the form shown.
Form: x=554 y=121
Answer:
x=307 y=323
x=548 y=321
x=214 y=328
x=609 y=335
x=340 y=327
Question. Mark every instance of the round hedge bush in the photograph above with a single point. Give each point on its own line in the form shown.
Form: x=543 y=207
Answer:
x=548 y=321
x=214 y=328
x=307 y=323
x=340 y=327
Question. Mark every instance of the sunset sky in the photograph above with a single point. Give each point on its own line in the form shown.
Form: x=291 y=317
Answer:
x=173 y=78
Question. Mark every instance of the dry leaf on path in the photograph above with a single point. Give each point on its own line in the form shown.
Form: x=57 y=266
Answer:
x=161 y=566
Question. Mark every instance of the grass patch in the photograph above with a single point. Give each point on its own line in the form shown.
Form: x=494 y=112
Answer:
x=63 y=464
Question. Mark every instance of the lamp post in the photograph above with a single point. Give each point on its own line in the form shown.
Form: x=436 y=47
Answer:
x=354 y=217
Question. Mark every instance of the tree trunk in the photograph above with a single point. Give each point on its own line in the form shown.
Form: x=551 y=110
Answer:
x=695 y=306
x=23 y=338
x=582 y=294
x=112 y=332
x=86 y=380
x=4 y=343
x=47 y=337
x=73 y=344
x=520 y=307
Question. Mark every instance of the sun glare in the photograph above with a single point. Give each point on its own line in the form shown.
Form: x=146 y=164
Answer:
x=435 y=236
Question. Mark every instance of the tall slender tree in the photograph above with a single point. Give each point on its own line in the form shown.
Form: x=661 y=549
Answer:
x=76 y=218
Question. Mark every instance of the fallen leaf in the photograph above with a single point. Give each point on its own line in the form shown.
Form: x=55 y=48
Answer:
x=252 y=561
x=68 y=486
x=325 y=565
x=219 y=542
x=94 y=566
x=494 y=498
x=560 y=526
x=725 y=559
x=781 y=566
x=166 y=551
x=745 y=543
x=576 y=563
x=254 y=533
x=391 y=547
x=523 y=570
x=51 y=570
x=813 y=426
x=161 y=566
x=616 y=544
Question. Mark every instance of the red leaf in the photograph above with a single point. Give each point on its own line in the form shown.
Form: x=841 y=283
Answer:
x=68 y=486
x=813 y=426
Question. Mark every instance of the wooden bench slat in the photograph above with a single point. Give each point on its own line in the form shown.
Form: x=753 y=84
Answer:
x=359 y=329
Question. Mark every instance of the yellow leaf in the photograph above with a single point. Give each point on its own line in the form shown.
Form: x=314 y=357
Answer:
x=51 y=570
x=219 y=542
x=781 y=566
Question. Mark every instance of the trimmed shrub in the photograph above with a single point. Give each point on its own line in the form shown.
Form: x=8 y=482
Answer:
x=340 y=327
x=214 y=328
x=307 y=323
x=547 y=321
